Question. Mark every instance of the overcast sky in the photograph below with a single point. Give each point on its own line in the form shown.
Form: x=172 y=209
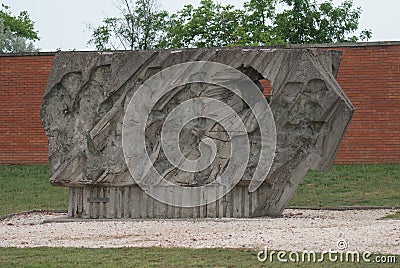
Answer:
x=62 y=24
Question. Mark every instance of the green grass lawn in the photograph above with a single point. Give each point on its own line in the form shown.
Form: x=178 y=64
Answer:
x=27 y=188
x=150 y=257
x=351 y=185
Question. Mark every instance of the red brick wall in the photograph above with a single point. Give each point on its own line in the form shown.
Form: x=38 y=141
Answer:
x=22 y=83
x=369 y=74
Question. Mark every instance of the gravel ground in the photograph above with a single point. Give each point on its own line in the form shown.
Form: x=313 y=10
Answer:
x=298 y=230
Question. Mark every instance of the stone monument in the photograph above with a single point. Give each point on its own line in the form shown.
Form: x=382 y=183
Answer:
x=88 y=95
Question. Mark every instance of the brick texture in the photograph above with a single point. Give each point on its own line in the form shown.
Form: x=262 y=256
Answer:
x=22 y=83
x=369 y=75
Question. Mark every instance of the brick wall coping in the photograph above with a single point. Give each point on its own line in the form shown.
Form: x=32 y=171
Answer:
x=26 y=54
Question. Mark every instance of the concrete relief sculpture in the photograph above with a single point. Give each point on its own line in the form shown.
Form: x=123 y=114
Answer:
x=188 y=133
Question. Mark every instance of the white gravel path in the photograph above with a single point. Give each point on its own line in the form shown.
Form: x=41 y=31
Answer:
x=298 y=230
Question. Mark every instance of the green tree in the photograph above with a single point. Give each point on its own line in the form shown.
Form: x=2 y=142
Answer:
x=17 y=33
x=305 y=22
x=258 y=22
x=139 y=27
x=210 y=25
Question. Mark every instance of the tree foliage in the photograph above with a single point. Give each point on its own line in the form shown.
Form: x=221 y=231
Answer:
x=212 y=24
x=17 y=33
x=139 y=27
x=304 y=22
x=209 y=25
x=258 y=22
x=11 y=43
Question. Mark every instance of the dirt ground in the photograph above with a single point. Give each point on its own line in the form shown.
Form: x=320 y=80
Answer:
x=297 y=230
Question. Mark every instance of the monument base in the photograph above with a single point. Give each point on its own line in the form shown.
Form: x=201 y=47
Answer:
x=132 y=202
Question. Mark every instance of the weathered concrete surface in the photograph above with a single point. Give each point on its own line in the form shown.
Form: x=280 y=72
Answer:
x=88 y=92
